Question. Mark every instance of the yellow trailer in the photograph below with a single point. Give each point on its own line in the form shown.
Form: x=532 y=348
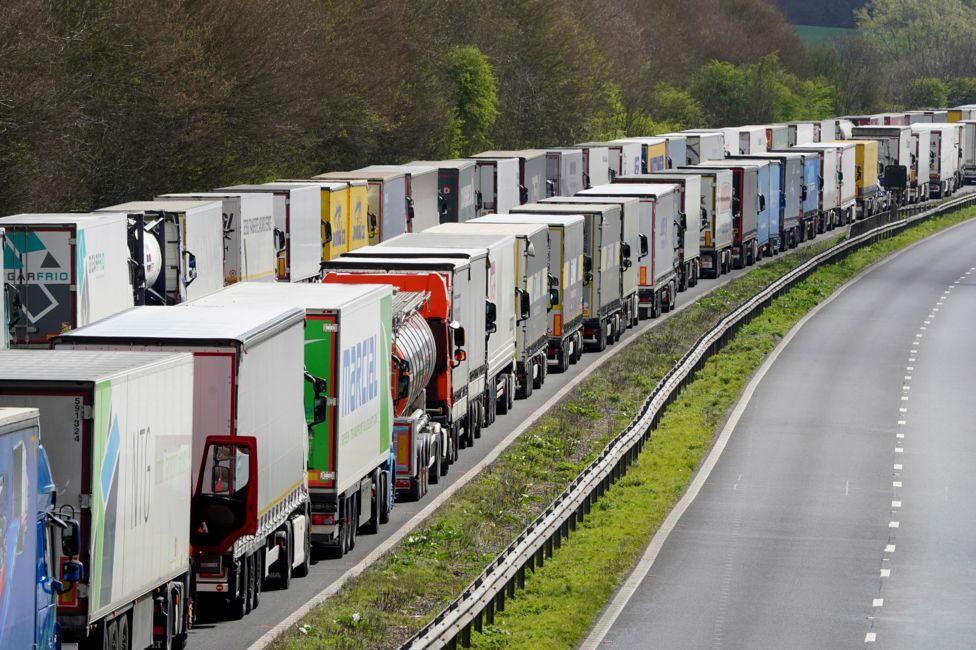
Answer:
x=358 y=214
x=866 y=176
x=334 y=215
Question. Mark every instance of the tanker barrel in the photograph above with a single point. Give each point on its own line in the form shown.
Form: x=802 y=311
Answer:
x=414 y=351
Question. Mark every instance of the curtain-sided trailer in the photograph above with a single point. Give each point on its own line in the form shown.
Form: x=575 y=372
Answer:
x=117 y=427
x=249 y=505
x=298 y=227
x=458 y=193
x=249 y=241
x=564 y=330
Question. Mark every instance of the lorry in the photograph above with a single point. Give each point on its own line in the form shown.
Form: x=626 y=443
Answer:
x=423 y=200
x=963 y=113
x=498 y=183
x=745 y=209
x=456 y=313
x=603 y=315
x=565 y=337
x=117 y=429
x=249 y=241
x=801 y=133
x=777 y=136
x=625 y=156
x=188 y=238
x=829 y=182
x=770 y=206
x=596 y=164
x=532 y=167
x=657 y=251
x=843 y=153
x=653 y=153
x=787 y=193
x=334 y=220
x=31 y=530
x=564 y=171
x=488 y=316
x=458 y=193
x=943 y=156
x=349 y=399
x=692 y=218
x=701 y=146
x=869 y=199
x=715 y=243
x=386 y=192
x=751 y=139
x=64 y=271
x=298 y=227
x=248 y=509
x=633 y=244
x=533 y=291
x=968 y=147
x=897 y=164
x=677 y=149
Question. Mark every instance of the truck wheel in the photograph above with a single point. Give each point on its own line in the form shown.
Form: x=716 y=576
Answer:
x=618 y=327
x=353 y=520
x=435 y=470
x=562 y=360
x=372 y=526
x=474 y=420
x=283 y=564
x=528 y=381
x=385 y=505
x=110 y=635
x=259 y=565
x=125 y=643
x=601 y=337
x=578 y=350
x=302 y=569
x=501 y=406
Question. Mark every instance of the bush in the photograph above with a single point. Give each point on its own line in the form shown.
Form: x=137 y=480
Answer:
x=927 y=92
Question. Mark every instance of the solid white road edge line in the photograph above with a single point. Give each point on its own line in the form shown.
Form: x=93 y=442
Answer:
x=626 y=591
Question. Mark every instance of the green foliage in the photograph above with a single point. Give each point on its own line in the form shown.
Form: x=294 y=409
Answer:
x=677 y=107
x=927 y=92
x=477 y=97
x=962 y=90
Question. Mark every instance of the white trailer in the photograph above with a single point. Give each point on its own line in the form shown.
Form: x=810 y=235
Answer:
x=422 y=194
x=249 y=246
x=566 y=265
x=248 y=421
x=752 y=139
x=596 y=164
x=347 y=398
x=677 y=148
x=117 y=428
x=624 y=156
x=830 y=196
x=65 y=271
x=715 y=243
x=532 y=283
x=943 y=156
x=777 y=136
x=564 y=172
x=189 y=236
x=802 y=133
x=498 y=183
x=456 y=188
x=846 y=153
x=968 y=147
x=531 y=167
x=895 y=149
x=702 y=146
x=298 y=227
x=828 y=130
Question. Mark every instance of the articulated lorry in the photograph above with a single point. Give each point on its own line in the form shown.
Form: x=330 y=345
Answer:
x=565 y=344
x=248 y=510
x=786 y=193
x=770 y=208
x=603 y=310
x=458 y=193
x=422 y=193
x=745 y=209
x=31 y=532
x=335 y=225
x=596 y=164
x=564 y=171
x=249 y=240
x=63 y=271
x=702 y=146
x=532 y=281
x=531 y=171
x=715 y=242
x=117 y=428
x=298 y=227
x=387 y=200
x=187 y=237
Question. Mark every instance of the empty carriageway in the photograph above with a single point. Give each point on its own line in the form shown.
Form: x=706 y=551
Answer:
x=842 y=510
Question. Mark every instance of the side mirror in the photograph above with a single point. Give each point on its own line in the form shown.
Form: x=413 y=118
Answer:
x=478 y=202
x=373 y=222
x=491 y=314
x=403 y=379
x=459 y=335
x=71 y=571
x=553 y=297
x=523 y=194
x=644 y=247
x=410 y=208
x=625 y=250
x=190 y=273
x=587 y=269
x=530 y=250
x=762 y=202
x=220 y=480
x=320 y=399
x=71 y=539
x=279 y=241
x=326 y=232
x=550 y=188
x=525 y=308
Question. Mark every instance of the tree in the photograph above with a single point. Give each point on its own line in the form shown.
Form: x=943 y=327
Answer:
x=476 y=107
x=927 y=92
x=962 y=90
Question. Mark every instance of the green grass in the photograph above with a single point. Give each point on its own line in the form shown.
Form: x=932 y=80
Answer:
x=399 y=593
x=562 y=599
x=817 y=34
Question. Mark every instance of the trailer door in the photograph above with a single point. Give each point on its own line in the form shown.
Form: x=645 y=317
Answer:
x=320 y=398
x=40 y=264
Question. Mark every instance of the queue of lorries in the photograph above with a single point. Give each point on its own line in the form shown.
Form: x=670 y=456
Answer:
x=229 y=383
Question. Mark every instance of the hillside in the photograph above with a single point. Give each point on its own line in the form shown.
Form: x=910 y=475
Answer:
x=826 y=13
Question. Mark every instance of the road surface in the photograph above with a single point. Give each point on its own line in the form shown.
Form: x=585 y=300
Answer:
x=842 y=510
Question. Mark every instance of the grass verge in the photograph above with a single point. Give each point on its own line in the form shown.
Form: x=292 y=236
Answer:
x=563 y=598
x=388 y=602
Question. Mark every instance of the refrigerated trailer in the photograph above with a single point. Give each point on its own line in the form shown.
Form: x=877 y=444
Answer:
x=248 y=421
x=498 y=185
x=565 y=345
x=188 y=237
x=869 y=200
x=117 y=428
x=657 y=258
x=653 y=153
x=789 y=196
x=715 y=243
x=702 y=146
x=968 y=146
x=897 y=165
x=770 y=206
x=531 y=171
x=846 y=153
x=458 y=194
x=829 y=184
x=386 y=214
x=456 y=314
x=249 y=241
x=676 y=145
x=624 y=156
x=801 y=133
x=691 y=219
x=633 y=245
x=596 y=164
x=334 y=222
x=745 y=209
x=603 y=315
x=348 y=401
x=777 y=136
x=298 y=227
x=532 y=282
x=422 y=193
x=65 y=271
x=752 y=139
x=943 y=156
x=564 y=171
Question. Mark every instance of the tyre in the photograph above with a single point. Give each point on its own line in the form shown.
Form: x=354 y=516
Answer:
x=283 y=564
x=540 y=378
x=353 y=520
x=125 y=643
x=501 y=406
x=385 y=505
x=259 y=565
x=562 y=361
x=372 y=526
x=110 y=636
x=601 y=337
x=527 y=382
x=435 y=470
x=301 y=570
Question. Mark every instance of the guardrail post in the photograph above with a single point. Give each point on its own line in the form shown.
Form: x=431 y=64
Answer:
x=479 y=620
x=490 y=611
x=510 y=586
x=500 y=602
x=520 y=576
x=466 y=635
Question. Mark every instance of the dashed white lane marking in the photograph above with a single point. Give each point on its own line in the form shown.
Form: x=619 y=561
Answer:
x=904 y=398
x=902 y=410
x=892 y=524
x=870 y=637
x=890 y=548
x=877 y=602
x=912 y=359
x=901 y=422
x=899 y=450
x=914 y=343
x=896 y=484
x=919 y=335
x=896 y=504
x=908 y=377
x=899 y=435
x=906 y=387
x=909 y=367
x=885 y=573
x=897 y=465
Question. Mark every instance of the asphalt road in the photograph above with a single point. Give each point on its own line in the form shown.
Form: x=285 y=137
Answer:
x=842 y=510
x=275 y=606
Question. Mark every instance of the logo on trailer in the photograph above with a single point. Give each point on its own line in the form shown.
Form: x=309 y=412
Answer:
x=359 y=375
